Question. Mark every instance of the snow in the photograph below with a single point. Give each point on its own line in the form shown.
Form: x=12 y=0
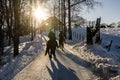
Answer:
x=99 y=57
x=78 y=61
x=62 y=68
x=28 y=52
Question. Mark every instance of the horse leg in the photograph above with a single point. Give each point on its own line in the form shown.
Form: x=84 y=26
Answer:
x=50 y=56
x=54 y=53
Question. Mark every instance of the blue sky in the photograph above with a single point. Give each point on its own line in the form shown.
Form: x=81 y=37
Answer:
x=109 y=12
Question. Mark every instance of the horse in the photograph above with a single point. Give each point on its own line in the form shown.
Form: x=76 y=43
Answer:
x=51 y=47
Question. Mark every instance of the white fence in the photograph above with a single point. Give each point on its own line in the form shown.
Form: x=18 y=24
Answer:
x=79 y=34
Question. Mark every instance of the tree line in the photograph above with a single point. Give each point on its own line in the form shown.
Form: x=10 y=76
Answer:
x=15 y=21
x=16 y=18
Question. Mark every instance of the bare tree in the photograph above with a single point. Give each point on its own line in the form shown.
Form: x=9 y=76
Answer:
x=9 y=19
x=1 y=28
x=78 y=4
x=16 y=28
x=69 y=20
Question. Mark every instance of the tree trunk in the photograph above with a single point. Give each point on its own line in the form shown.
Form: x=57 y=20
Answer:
x=31 y=25
x=59 y=12
x=1 y=29
x=16 y=45
x=89 y=36
x=9 y=37
x=62 y=14
x=98 y=30
x=16 y=32
x=10 y=22
x=65 y=29
x=1 y=40
x=69 y=21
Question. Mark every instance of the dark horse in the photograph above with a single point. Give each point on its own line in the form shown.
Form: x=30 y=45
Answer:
x=51 y=47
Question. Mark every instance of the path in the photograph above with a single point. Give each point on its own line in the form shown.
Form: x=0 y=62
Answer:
x=66 y=66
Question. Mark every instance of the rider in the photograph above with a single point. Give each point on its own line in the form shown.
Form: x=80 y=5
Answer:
x=61 y=40
x=51 y=45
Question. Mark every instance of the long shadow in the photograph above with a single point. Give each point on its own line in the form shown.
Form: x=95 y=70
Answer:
x=84 y=64
x=27 y=46
x=7 y=51
x=24 y=39
x=6 y=56
x=75 y=58
x=61 y=73
x=35 y=44
x=11 y=67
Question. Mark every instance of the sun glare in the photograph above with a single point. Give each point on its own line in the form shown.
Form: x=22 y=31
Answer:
x=40 y=14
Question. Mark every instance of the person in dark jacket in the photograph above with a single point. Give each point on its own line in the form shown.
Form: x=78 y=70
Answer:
x=51 y=35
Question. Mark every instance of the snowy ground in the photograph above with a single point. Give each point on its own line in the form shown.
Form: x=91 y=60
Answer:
x=107 y=63
x=76 y=62
x=28 y=52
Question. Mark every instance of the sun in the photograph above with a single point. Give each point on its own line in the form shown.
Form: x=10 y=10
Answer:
x=40 y=14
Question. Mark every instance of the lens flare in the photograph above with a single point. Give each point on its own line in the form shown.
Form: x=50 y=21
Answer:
x=40 y=14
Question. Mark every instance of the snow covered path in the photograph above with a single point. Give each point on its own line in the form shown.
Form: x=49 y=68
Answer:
x=64 y=67
x=76 y=62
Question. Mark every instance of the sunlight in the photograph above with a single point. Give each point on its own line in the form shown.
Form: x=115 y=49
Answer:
x=40 y=14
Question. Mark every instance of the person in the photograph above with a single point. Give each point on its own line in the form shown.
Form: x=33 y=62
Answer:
x=61 y=40
x=51 y=35
x=51 y=45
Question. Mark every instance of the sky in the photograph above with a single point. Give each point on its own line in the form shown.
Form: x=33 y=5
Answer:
x=109 y=12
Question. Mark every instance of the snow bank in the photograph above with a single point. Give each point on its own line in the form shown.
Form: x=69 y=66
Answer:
x=116 y=78
x=99 y=59
x=108 y=63
x=29 y=50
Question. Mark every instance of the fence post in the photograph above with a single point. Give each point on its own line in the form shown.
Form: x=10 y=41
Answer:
x=80 y=37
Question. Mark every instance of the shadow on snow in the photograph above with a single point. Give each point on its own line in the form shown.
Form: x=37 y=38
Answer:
x=61 y=73
x=83 y=63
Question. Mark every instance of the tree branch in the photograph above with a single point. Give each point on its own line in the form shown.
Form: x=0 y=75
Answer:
x=77 y=3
